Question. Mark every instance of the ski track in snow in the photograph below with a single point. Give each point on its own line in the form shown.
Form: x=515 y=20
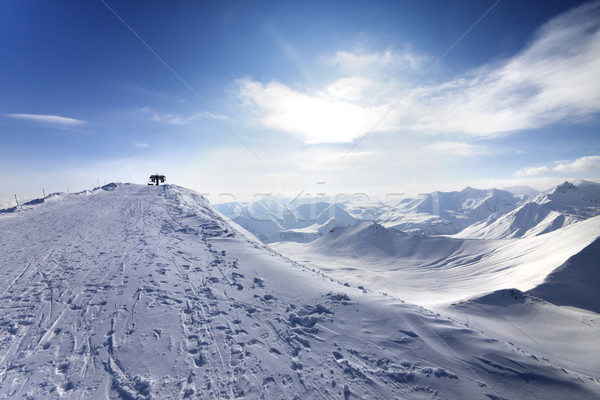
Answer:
x=143 y=292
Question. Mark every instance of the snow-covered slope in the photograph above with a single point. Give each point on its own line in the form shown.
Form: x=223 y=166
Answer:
x=576 y=283
x=366 y=237
x=432 y=270
x=550 y=210
x=138 y=292
x=565 y=336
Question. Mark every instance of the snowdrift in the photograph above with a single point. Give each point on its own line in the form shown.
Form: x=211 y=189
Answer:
x=138 y=292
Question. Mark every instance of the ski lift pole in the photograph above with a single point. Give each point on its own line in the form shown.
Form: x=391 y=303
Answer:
x=16 y=200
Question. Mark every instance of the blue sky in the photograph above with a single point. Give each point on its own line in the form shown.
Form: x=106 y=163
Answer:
x=260 y=97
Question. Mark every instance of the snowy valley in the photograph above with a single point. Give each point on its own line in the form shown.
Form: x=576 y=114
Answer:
x=139 y=292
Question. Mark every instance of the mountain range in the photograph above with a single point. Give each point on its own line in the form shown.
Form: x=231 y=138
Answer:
x=469 y=213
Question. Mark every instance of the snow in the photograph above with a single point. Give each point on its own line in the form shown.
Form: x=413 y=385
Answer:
x=435 y=214
x=444 y=213
x=468 y=214
x=136 y=292
x=564 y=336
x=575 y=283
x=434 y=270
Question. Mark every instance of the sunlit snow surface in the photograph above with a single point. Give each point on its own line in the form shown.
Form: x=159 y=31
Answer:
x=134 y=292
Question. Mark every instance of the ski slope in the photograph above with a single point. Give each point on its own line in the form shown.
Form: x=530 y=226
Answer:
x=139 y=292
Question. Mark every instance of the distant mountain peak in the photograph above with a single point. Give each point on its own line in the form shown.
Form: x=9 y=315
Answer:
x=471 y=189
x=566 y=185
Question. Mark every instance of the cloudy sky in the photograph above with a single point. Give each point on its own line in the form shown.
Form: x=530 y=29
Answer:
x=262 y=97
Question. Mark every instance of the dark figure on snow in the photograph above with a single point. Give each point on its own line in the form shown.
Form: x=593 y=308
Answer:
x=157 y=179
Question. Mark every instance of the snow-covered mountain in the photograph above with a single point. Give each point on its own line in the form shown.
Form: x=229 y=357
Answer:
x=433 y=214
x=139 y=292
x=549 y=210
x=470 y=213
x=446 y=213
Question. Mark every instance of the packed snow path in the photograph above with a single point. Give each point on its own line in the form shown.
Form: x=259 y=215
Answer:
x=135 y=292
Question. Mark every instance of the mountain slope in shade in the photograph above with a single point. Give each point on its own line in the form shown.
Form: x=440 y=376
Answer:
x=575 y=283
x=138 y=292
x=546 y=212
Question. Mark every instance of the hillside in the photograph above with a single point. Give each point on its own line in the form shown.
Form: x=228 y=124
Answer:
x=138 y=292
x=431 y=270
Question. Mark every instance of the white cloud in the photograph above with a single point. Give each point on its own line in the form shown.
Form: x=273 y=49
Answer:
x=455 y=148
x=556 y=77
x=318 y=117
x=532 y=171
x=582 y=164
x=175 y=119
x=141 y=145
x=178 y=119
x=589 y=163
x=54 y=120
x=540 y=183
x=363 y=62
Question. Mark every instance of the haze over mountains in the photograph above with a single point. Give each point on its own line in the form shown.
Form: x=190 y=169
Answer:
x=138 y=292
